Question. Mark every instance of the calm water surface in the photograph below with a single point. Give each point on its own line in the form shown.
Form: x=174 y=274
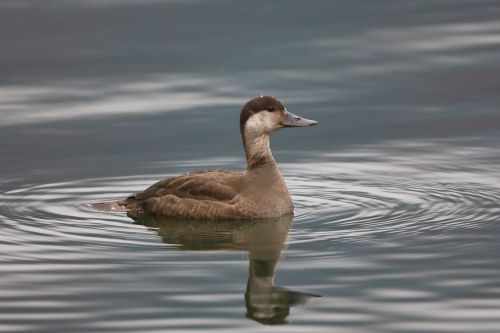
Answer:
x=397 y=191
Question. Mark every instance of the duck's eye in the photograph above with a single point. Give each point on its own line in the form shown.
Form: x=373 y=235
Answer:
x=270 y=108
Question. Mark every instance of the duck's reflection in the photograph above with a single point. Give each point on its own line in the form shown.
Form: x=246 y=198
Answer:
x=263 y=239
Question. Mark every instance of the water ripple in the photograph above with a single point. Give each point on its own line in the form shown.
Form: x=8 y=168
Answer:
x=403 y=232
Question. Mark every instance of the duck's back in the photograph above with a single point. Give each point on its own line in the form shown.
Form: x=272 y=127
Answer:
x=211 y=194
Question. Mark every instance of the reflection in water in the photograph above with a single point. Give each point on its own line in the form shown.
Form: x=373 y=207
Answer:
x=263 y=239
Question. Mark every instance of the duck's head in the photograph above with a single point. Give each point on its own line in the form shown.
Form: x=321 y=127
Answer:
x=265 y=114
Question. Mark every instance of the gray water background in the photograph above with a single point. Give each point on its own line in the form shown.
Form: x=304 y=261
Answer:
x=397 y=191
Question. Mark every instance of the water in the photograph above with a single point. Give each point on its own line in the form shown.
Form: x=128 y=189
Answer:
x=397 y=191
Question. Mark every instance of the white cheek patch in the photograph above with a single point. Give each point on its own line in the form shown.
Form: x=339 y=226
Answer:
x=260 y=123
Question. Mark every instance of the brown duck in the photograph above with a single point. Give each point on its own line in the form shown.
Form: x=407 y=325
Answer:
x=260 y=192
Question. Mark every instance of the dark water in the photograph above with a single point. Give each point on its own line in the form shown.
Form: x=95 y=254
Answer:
x=397 y=191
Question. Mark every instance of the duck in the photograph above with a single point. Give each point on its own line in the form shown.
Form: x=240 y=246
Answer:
x=259 y=192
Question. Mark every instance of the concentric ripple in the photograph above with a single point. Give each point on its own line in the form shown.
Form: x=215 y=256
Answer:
x=390 y=197
x=360 y=208
x=59 y=214
x=338 y=199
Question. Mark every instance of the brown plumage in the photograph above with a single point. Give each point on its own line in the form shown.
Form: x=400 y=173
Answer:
x=260 y=192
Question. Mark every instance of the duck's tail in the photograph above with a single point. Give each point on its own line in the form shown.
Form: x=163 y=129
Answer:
x=131 y=204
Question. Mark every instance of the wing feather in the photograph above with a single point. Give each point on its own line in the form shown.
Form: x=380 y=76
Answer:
x=216 y=185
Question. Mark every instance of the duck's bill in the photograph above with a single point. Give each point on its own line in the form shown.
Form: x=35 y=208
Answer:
x=292 y=120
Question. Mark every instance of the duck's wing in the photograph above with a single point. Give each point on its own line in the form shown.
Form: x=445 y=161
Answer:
x=203 y=194
x=218 y=185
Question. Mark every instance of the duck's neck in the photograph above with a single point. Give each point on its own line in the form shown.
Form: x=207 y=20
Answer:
x=261 y=275
x=258 y=153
